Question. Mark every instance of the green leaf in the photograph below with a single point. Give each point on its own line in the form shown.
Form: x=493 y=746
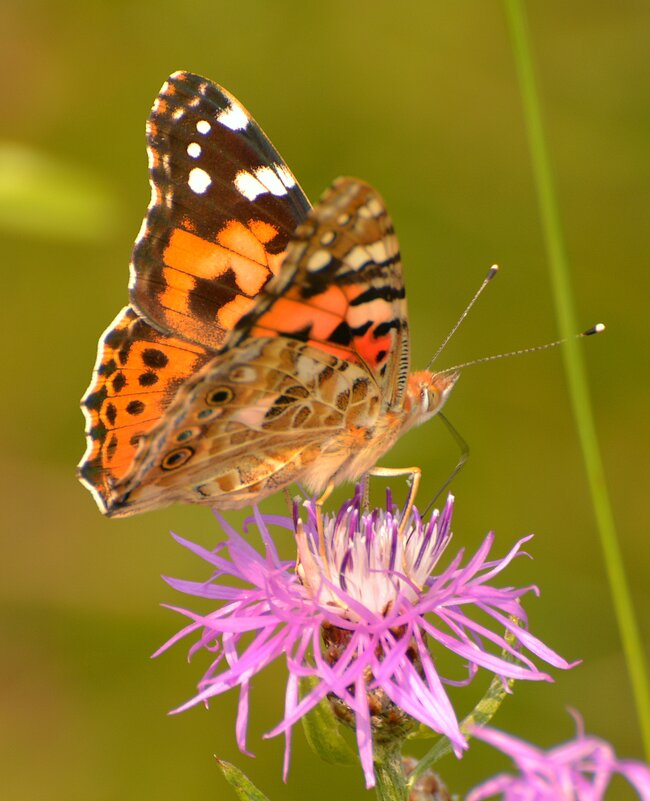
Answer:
x=323 y=732
x=240 y=783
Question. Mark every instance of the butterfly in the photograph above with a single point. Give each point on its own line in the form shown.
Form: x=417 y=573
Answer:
x=265 y=341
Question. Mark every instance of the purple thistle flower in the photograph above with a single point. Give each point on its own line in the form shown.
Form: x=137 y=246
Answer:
x=578 y=770
x=362 y=614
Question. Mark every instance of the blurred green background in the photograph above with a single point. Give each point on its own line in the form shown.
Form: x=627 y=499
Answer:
x=420 y=99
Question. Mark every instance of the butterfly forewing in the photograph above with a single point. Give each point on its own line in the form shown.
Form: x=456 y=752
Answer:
x=341 y=288
x=223 y=207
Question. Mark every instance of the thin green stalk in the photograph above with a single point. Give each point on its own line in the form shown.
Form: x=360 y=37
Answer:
x=574 y=366
x=389 y=774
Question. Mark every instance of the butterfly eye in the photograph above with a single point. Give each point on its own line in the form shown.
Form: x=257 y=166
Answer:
x=219 y=396
x=176 y=458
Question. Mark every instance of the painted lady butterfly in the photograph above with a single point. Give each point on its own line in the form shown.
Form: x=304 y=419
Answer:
x=265 y=341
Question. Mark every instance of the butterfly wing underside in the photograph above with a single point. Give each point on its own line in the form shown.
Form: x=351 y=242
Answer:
x=323 y=353
x=223 y=207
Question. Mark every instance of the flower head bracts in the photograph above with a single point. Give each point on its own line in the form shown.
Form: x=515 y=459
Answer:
x=363 y=614
x=579 y=770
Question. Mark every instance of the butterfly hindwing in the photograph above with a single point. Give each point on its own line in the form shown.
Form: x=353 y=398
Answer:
x=224 y=205
x=136 y=377
x=341 y=288
x=252 y=420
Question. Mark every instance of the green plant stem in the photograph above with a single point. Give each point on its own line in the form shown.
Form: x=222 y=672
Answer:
x=574 y=365
x=389 y=775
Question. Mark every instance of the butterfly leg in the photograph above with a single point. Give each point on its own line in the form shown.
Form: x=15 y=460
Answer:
x=365 y=493
x=289 y=500
x=415 y=474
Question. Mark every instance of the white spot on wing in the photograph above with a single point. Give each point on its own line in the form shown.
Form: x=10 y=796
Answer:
x=248 y=185
x=374 y=206
x=233 y=117
x=271 y=181
x=194 y=150
x=199 y=180
x=357 y=257
x=377 y=310
x=377 y=250
x=318 y=260
x=285 y=176
x=203 y=127
x=275 y=180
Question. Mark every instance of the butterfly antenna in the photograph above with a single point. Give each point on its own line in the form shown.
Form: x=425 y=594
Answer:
x=595 y=329
x=464 y=455
x=494 y=269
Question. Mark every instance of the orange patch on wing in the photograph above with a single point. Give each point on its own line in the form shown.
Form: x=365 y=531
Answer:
x=335 y=350
x=195 y=256
x=118 y=451
x=289 y=316
x=332 y=300
x=262 y=230
x=188 y=224
x=119 y=446
x=230 y=313
x=175 y=295
x=275 y=261
x=237 y=237
x=182 y=357
x=369 y=347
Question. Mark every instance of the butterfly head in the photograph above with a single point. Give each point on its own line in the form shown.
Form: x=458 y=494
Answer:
x=426 y=394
